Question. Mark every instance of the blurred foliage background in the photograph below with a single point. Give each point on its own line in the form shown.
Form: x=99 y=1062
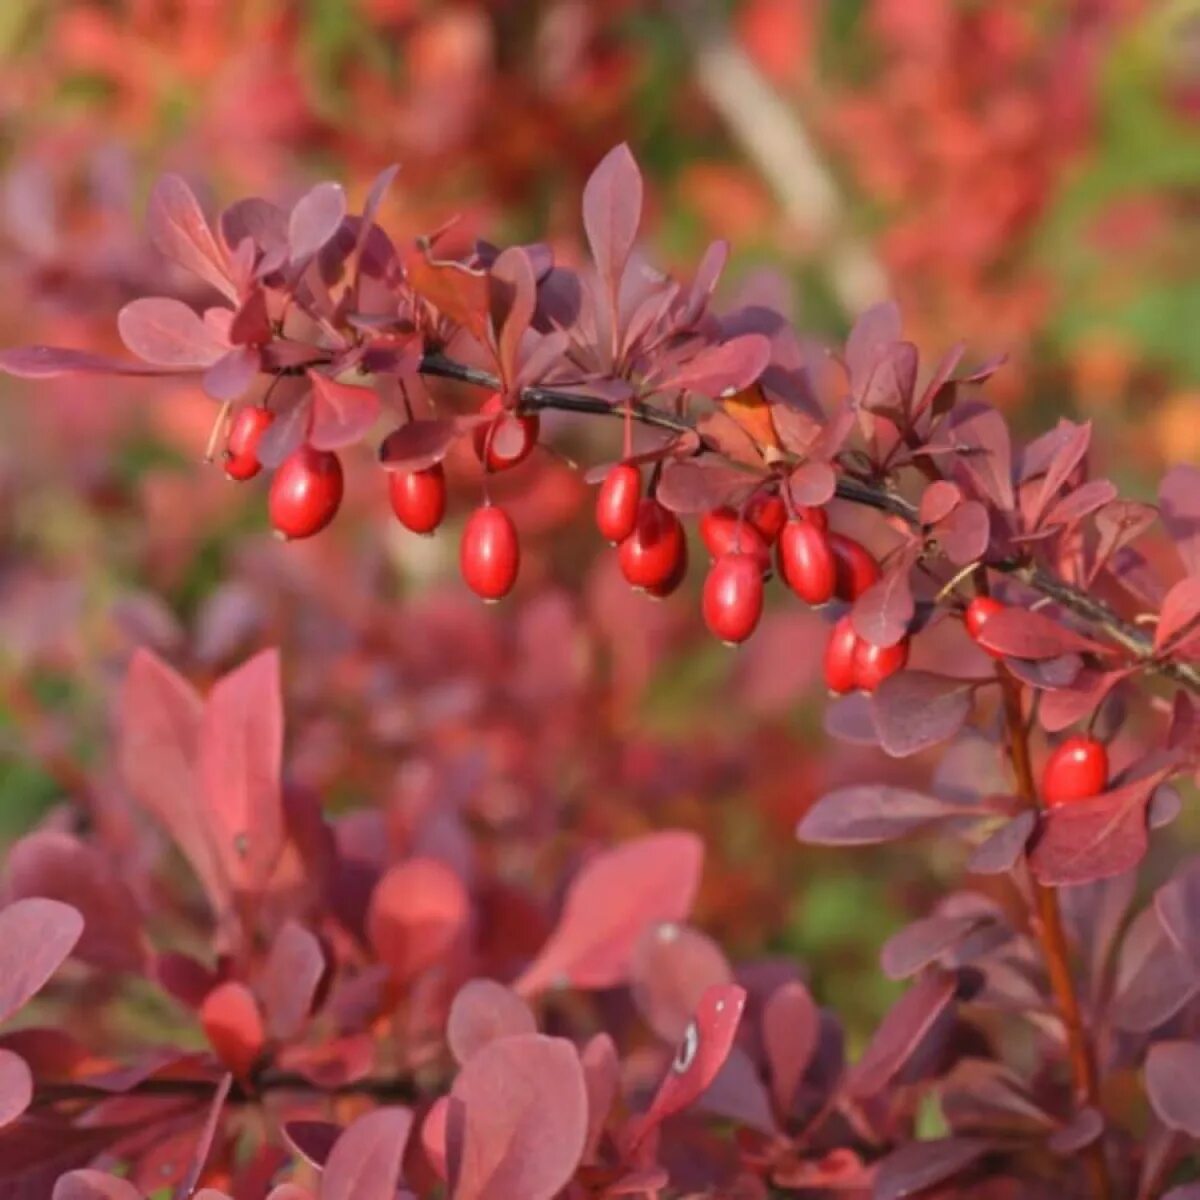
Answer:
x=1022 y=174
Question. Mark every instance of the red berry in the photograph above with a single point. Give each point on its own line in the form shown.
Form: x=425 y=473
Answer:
x=663 y=590
x=978 y=612
x=806 y=562
x=817 y=516
x=855 y=567
x=650 y=556
x=1077 y=769
x=507 y=440
x=733 y=597
x=241 y=446
x=617 y=502
x=768 y=515
x=723 y=532
x=490 y=554
x=839 y=656
x=306 y=492
x=873 y=664
x=418 y=497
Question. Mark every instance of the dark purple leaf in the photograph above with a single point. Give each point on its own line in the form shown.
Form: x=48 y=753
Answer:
x=1177 y=903
x=1063 y=707
x=287 y=432
x=316 y=217
x=918 y=945
x=364 y=1163
x=177 y=228
x=612 y=210
x=1082 y=1130
x=1172 y=1069
x=942 y=375
x=860 y=816
x=418 y=445
x=36 y=935
x=883 y=612
x=850 y=719
x=1118 y=524
x=1155 y=980
x=312 y=1140
x=1179 y=504
x=1023 y=634
x=921 y=1165
x=916 y=709
x=291 y=978
x=1072 y=446
x=46 y=362
x=342 y=413
x=169 y=334
x=697 y=485
x=483 y=1012
x=1002 y=849
x=1048 y=673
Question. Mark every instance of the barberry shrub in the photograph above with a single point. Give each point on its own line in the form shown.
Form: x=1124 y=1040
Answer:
x=372 y=1011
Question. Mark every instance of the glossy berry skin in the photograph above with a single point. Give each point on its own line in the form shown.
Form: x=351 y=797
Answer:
x=722 y=533
x=241 y=447
x=507 y=440
x=617 y=502
x=677 y=577
x=733 y=597
x=854 y=565
x=839 y=657
x=1076 y=770
x=977 y=614
x=873 y=664
x=418 y=497
x=305 y=493
x=768 y=515
x=805 y=561
x=815 y=516
x=490 y=553
x=650 y=556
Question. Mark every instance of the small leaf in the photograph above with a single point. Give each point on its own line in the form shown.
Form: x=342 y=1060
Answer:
x=1002 y=849
x=874 y=330
x=1179 y=505
x=179 y=231
x=521 y=1110
x=1180 y=611
x=673 y=966
x=791 y=1032
x=1172 y=1069
x=612 y=211
x=921 y=1165
x=342 y=413
x=417 y=912
x=36 y=936
x=168 y=333
x=418 y=445
x=882 y=614
x=483 y=1012
x=696 y=485
x=365 y=1161
x=16 y=1087
x=1082 y=1130
x=866 y=814
x=723 y=369
x=980 y=439
x=918 y=945
x=316 y=217
x=1024 y=634
x=290 y=979
x=916 y=709
x=234 y=1026
x=617 y=895
x=458 y=292
x=94 y=1185
x=232 y=375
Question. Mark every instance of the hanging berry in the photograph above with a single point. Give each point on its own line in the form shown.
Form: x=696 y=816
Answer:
x=980 y=609
x=839 y=656
x=418 y=497
x=507 y=439
x=306 y=492
x=652 y=554
x=617 y=502
x=241 y=447
x=490 y=553
x=1076 y=770
x=855 y=566
x=723 y=532
x=733 y=597
x=806 y=562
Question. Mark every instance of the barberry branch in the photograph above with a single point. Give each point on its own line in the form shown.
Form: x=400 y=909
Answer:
x=1092 y=612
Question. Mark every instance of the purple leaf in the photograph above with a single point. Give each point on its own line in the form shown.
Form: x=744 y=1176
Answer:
x=287 y=432
x=883 y=612
x=16 y=1087
x=791 y=1032
x=612 y=210
x=312 y=1141
x=1082 y=502
x=521 y=1110
x=721 y=370
x=177 y=228
x=1177 y=903
x=616 y=896
x=240 y=763
x=315 y=219
x=1180 y=612
x=168 y=333
x=36 y=935
x=1172 y=1069
x=1002 y=849
x=46 y=362
x=341 y=414
x=697 y=485
x=602 y=1078
x=916 y=709
x=1024 y=634
x=231 y=376
x=1082 y=1130
x=418 y=445
x=483 y=1012
x=290 y=979
x=94 y=1185
x=920 y=1165
x=1070 y=452
x=863 y=815
x=812 y=484
x=923 y=942
x=1179 y=505
x=889 y=387
x=874 y=330
x=1155 y=980
x=364 y=1163
x=673 y=966
x=963 y=536
x=978 y=435
x=939 y=500
x=512 y=277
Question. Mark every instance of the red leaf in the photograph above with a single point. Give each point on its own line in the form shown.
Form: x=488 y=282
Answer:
x=365 y=1161
x=342 y=413
x=168 y=333
x=673 y=966
x=1180 y=609
x=1073 y=447
x=16 y=1087
x=234 y=1026
x=46 y=362
x=939 y=500
x=1172 y=1069
x=483 y=1012
x=889 y=386
x=36 y=936
x=812 y=483
x=316 y=217
x=861 y=816
x=1179 y=504
x=963 y=536
x=418 y=445
x=916 y=709
x=417 y=912
x=791 y=1032
x=177 y=228
x=697 y=485
x=602 y=1078
x=512 y=277
x=1024 y=634
x=518 y=1120
x=617 y=895
x=612 y=210
x=94 y=1185
x=455 y=290
x=702 y=1052
x=290 y=979
x=978 y=435
x=240 y=761
x=159 y=738
x=874 y=330
x=721 y=370
x=883 y=612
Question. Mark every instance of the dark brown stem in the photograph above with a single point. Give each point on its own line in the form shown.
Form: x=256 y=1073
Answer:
x=1048 y=925
x=1093 y=613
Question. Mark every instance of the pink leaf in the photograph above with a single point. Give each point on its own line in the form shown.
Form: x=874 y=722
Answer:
x=883 y=612
x=602 y=1078
x=1171 y=1072
x=36 y=935
x=177 y=228
x=874 y=330
x=418 y=445
x=1070 y=453
x=791 y=1032
x=16 y=1087
x=617 y=895
x=47 y=362
x=94 y=1185
x=342 y=413
x=1180 y=609
x=512 y=277
x=315 y=219
x=979 y=436
x=290 y=979
x=417 y=912
x=365 y=1161
x=168 y=333
x=673 y=966
x=519 y=1120
x=939 y=500
x=231 y=376
x=723 y=369
x=240 y=760
x=483 y=1012
x=612 y=210
x=812 y=483
x=1023 y=634
x=695 y=485
x=1179 y=504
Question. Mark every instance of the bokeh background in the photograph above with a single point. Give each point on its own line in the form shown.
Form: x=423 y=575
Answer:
x=1021 y=174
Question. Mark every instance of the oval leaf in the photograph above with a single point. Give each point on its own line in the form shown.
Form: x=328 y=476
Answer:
x=315 y=219
x=417 y=911
x=483 y=1012
x=168 y=333
x=365 y=1161
x=342 y=413
x=36 y=935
